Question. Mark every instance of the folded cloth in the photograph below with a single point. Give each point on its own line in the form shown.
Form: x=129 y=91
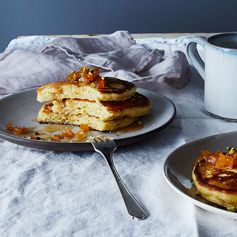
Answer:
x=34 y=61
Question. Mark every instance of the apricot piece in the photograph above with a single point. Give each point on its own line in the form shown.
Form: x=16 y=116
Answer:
x=80 y=136
x=84 y=127
x=68 y=133
x=224 y=161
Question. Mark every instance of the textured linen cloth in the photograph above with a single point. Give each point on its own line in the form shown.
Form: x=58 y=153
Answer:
x=74 y=194
x=24 y=66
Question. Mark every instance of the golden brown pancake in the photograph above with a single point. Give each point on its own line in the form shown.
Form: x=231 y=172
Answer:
x=46 y=115
x=135 y=106
x=215 y=177
x=113 y=90
x=103 y=103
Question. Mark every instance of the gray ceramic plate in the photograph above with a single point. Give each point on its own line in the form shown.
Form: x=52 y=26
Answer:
x=21 y=109
x=178 y=168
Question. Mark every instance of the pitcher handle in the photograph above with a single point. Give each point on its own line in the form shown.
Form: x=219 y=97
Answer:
x=193 y=54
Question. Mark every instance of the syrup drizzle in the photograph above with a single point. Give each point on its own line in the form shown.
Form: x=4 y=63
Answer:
x=48 y=132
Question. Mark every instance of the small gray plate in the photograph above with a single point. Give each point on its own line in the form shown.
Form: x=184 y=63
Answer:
x=178 y=167
x=21 y=109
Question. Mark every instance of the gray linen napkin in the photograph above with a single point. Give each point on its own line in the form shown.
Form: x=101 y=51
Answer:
x=24 y=66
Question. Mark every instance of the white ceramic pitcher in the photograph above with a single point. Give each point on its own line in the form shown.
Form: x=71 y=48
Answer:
x=219 y=72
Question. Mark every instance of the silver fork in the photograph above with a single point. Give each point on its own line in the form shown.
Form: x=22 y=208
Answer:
x=106 y=148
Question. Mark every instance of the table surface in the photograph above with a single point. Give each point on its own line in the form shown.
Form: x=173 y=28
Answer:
x=81 y=203
x=141 y=35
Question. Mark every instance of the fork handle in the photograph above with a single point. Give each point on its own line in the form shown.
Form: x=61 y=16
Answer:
x=134 y=208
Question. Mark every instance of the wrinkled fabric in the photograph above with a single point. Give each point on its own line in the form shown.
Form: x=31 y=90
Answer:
x=118 y=55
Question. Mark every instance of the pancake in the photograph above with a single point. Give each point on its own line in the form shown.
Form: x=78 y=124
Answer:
x=46 y=115
x=135 y=106
x=113 y=89
x=215 y=177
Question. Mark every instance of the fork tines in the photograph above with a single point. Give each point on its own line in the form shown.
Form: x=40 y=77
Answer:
x=101 y=139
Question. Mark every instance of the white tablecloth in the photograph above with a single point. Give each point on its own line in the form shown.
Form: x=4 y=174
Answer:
x=74 y=194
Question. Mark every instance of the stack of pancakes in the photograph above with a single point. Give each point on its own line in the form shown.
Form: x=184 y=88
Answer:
x=104 y=104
